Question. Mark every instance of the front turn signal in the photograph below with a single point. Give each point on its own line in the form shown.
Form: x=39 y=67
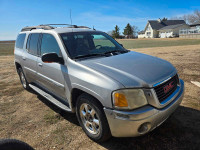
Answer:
x=120 y=100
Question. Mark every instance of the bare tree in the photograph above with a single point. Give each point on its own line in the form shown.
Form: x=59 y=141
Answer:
x=192 y=18
x=135 y=31
x=189 y=18
x=184 y=17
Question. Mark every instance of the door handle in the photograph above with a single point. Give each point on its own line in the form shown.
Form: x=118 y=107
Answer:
x=24 y=58
x=39 y=64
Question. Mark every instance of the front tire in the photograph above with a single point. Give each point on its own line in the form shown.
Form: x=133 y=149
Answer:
x=23 y=80
x=92 y=118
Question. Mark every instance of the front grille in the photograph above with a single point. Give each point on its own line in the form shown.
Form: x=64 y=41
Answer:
x=164 y=90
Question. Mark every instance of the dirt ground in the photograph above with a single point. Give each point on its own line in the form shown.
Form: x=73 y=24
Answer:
x=29 y=117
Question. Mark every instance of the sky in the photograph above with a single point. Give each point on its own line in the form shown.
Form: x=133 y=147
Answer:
x=103 y=15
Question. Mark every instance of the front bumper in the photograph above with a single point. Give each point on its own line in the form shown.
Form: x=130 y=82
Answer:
x=143 y=120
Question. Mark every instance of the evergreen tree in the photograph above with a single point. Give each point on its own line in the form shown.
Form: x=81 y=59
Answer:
x=164 y=19
x=128 y=31
x=115 y=32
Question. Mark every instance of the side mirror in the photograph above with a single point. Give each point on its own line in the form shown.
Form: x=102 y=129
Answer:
x=52 y=58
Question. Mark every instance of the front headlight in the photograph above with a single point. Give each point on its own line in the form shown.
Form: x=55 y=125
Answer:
x=129 y=98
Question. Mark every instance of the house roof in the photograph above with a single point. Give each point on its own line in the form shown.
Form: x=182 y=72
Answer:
x=171 y=26
x=141 y=32
x=196 y=23
x=156 y=25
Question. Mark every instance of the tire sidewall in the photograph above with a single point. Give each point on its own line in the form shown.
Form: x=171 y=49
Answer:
x=85 y=98
x=19 y=73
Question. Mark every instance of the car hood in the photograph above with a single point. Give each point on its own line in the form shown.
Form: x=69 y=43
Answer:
x=132 y=69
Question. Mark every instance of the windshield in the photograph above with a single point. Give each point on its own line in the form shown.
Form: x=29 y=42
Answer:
x=80 y=44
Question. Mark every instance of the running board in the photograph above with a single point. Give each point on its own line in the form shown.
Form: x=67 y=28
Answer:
x=50 y=98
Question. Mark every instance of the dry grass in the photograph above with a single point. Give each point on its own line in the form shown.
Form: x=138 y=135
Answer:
x=29 y=117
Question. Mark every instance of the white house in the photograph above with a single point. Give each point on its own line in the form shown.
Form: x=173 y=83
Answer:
x=172 y=30
x=153 y=26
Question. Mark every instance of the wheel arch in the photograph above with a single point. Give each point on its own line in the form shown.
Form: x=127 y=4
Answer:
x=17 y=65
x=76 y=92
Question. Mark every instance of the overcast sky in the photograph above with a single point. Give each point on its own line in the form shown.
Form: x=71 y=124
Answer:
x=103 y=15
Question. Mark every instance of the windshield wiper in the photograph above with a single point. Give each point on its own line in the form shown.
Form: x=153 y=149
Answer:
x=114 y=51
x=88 y=55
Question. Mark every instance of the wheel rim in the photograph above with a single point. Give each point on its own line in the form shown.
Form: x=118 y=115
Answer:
x=90 y=118
x=23 y=80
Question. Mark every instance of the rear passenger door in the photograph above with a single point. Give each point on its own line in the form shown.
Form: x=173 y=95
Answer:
x=50 y=74
x=30 y=57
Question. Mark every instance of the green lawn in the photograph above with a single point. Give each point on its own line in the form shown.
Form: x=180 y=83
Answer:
x=7 y=47
x=145 y=43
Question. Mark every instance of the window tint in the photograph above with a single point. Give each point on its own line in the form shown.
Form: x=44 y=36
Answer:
x=49 y=45
x=32 y=44
x=20 y=40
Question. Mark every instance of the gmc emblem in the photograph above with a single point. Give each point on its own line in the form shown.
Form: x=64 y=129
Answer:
x=168 y=87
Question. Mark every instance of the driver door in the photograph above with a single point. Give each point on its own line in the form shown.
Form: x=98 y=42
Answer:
x=50 y=75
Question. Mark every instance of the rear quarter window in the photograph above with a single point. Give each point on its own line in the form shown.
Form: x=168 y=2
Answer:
x=20 y=40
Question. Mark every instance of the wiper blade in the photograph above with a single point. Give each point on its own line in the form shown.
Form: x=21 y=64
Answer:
x=121 y=51
x=88 y=55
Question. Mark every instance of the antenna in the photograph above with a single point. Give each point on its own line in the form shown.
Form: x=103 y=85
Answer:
x=71 y=16
x=93 y=28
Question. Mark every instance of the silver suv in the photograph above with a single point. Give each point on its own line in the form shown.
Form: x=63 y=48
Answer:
x=113 y=91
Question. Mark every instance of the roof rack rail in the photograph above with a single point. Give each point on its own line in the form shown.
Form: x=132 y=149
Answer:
x=45 y=27
x=49 y=27
x=70 y=25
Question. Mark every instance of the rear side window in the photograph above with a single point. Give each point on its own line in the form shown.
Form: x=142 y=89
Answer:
x=20 y=40
x=32 y=44
x=49 y=45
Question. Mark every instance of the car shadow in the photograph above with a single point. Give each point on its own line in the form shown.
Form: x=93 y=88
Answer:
x=180 y=131
x=71 y=117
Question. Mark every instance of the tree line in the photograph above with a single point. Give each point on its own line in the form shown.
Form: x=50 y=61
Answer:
x=129 y=32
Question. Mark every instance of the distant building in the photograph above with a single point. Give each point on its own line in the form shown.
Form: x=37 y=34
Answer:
x=172 y=30
x=154 y=27
x=141 y=34
x=196 y=24
x=192 y=32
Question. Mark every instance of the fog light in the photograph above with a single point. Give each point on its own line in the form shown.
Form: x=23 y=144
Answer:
x=144 y=128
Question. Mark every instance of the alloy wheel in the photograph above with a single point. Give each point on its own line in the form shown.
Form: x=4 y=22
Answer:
x=89 y=118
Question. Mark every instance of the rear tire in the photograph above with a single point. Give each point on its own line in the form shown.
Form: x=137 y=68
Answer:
x=23 y=80
x=92 y=118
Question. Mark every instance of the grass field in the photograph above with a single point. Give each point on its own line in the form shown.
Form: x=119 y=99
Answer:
x=146 y=43
x=31 y=118
x=6 y=48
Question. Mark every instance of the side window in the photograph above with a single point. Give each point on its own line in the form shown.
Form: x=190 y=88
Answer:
x=20 y=40
x=32 y=44
x=49 y=45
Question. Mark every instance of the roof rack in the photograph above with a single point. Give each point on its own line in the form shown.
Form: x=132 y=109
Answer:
x=49 y=27
x=45 y=27
x=70 y=25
